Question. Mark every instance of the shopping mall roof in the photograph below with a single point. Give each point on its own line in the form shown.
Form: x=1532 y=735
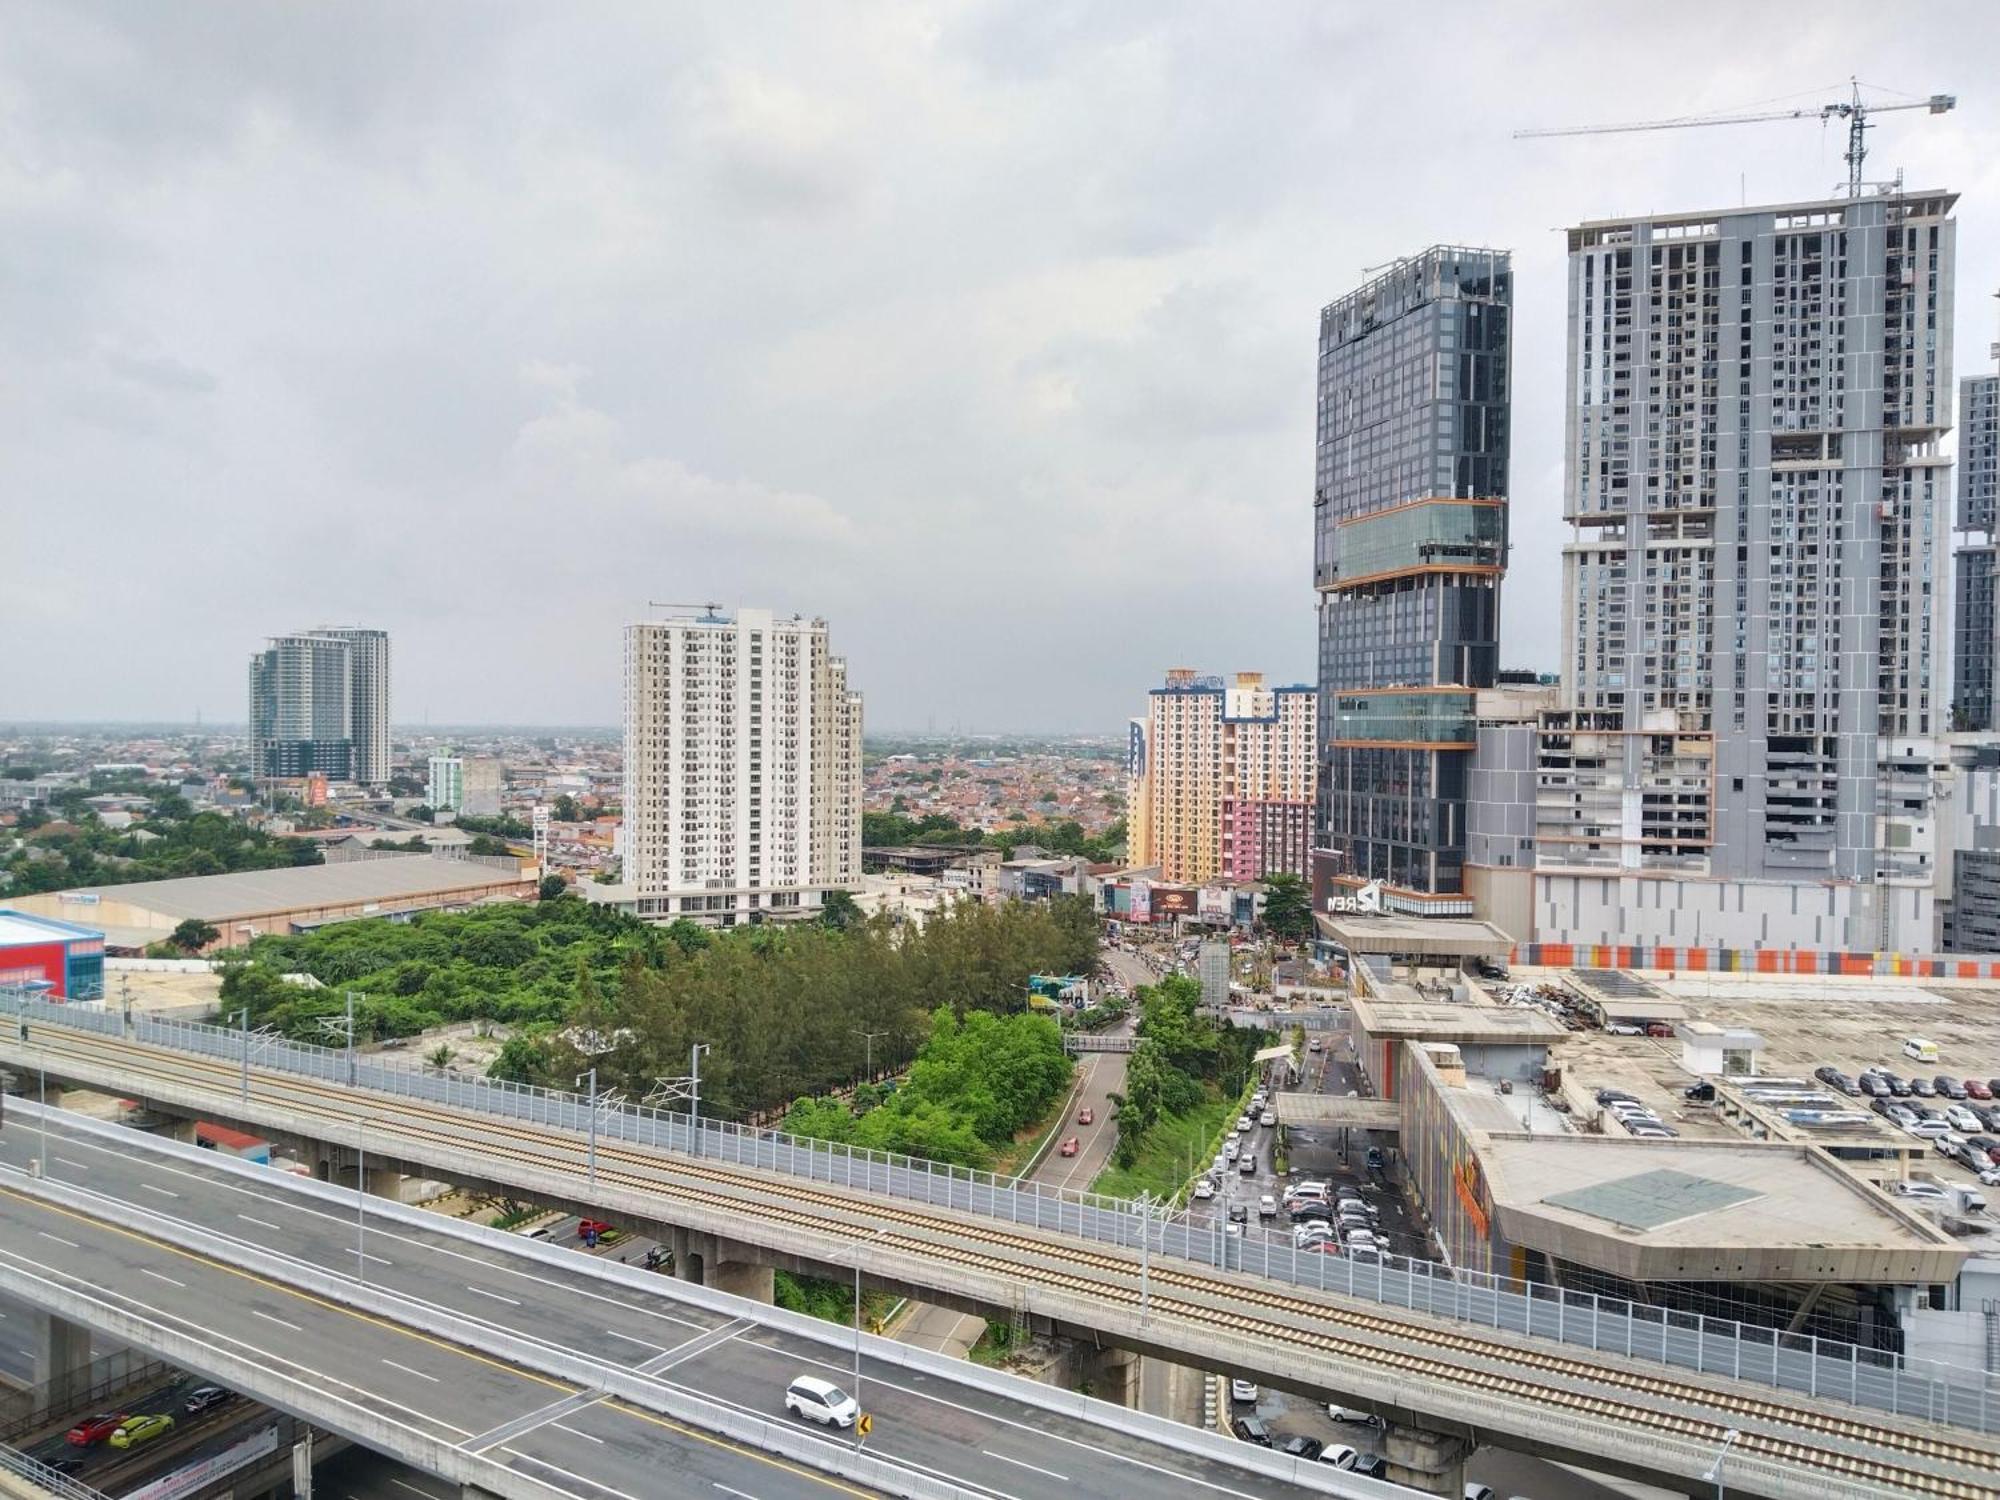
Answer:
x=1707 y=1211
x=1620 y=995
x=1437 y=1021
x=1415 y=937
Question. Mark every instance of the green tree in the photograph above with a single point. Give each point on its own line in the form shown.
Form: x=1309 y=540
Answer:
x=566 y=810
x=552 y=888
x=193 y=935
x=1287 y=906
x=839 y=911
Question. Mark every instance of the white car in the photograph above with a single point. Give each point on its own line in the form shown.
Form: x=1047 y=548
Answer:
x=1623 y=1030
x=1928 y=1130
x=1204 y=1189
x=1242 y=1124
x=821 y=1401
x=1339 y=1455
x=1230 y=1152
x=1267 y=1118
x=1354 y=1414
x=1267 y=1207
x=1923 y=1192
x=1962 y=1118
x=1242 y=1390
x=1989 y=1176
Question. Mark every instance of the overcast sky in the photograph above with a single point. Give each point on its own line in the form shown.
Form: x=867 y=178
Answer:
x=985 y=331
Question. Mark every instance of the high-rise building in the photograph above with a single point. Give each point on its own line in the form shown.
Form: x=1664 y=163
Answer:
x=369 y=658
x=1976 y=624
x=446 y=792
x=319 y=703
x=1223 y=779
x=301 y=708
x=742 y=769
x=1410 y=542
x=482 y=781
x=1754 y=677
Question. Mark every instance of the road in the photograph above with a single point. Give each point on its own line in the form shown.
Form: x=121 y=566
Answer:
x=534 y=1424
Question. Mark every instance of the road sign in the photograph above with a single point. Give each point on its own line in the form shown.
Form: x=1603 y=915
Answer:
x=864 y=1424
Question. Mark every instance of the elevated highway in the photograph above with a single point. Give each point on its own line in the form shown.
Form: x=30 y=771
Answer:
x=1424 y=1364
x=523 y=1369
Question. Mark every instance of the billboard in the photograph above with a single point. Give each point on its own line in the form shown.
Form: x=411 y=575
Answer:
x=1215 y=904
x=1174 y=901
x=1142 y=905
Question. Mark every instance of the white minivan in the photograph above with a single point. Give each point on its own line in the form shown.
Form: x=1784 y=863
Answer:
x=1920 y=1048
x=821 y=1401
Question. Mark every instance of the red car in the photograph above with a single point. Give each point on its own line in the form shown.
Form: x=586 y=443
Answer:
x=96 y=1429
x=1069 y=1147
x=1086 y=1116
x=1974 y=1089
x=585 y=1228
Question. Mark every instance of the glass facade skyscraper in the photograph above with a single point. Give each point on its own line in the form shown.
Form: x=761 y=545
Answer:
x=1410 y=542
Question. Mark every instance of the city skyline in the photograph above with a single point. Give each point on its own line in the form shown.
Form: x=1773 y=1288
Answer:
x=1127 y=348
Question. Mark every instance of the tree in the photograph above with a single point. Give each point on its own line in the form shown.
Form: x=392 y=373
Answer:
x=440 y=1056
x=193 y=935
x=552 y=888
x=566 y=810
x=839 y=911
x=1287 y=906
x=486 y=844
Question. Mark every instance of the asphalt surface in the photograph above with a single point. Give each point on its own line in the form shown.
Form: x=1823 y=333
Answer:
x=1000 y=1445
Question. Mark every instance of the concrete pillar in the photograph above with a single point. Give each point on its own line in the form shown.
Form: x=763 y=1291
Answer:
x=742 y=1278
x=682 y=1243
x=1111 y=1375
x=1432 y=1463
x=62 y=1357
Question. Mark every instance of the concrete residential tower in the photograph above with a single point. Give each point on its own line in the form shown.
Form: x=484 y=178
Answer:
x=1755 y=669
x=1410 y=541
x=742 y=769
x=1976 y=630
x=319 y=702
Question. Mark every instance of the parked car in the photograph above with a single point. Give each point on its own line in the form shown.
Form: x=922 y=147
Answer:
x=1238 y=1214
x=1355 y=1416
x=1923 y=1088
x=141 y=1429
x=1251 y=1430
x=205 y=1398
x=1339 y=1455
x=1267 y=1207
x=1898 y=1086
x=1976 y=1088
x=1922 y=1192
x=1845 y=1085
x=1268 y=1118
x=1621 y=1028
x=1948 y=1087
x=820 y=1401
x=1242 y=1390
x=94 y=1429
x=1369 y=1466
x=1927 y=1129
x=1873 y=1085
x=1204 y=1188
x=1242 y=1124
x=1961 y=1118
x=1301 y=1446
x=1606 y=1096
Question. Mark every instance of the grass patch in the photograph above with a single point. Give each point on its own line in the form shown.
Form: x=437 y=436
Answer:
x=1171 y=1150
x=830 y=1300
x=993 y=1346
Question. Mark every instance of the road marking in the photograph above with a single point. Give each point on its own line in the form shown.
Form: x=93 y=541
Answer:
x=728 y=1491
x=567 y=1474
x=510 y=1301
x=1032 y=1468
x=366 y=1256
x=257 y=1312
x=588 y=1437
x=81 y=1166
x=163 y=1192
x=58 y=1239
x=403 y=1485
x=408 y=1371
x=663 y=1348
x=260 y=1223
x=161 y=1276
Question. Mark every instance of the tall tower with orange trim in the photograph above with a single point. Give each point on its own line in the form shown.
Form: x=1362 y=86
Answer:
x=1410 y=542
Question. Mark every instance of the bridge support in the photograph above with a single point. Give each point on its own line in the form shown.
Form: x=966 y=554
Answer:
x=718 y=1263
x=1111 y=1375
x=1432 y=1463
x=62 y=1357
x=742 y=1278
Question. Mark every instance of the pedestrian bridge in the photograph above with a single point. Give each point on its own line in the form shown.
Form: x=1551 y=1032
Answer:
x=1336 y=1109
x=1080 y=1042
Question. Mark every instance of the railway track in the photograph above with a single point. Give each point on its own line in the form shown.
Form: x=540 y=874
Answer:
x=702 y=1182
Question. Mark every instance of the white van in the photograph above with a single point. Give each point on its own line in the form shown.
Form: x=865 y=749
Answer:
x=1923 y=1050
x=821 y=1401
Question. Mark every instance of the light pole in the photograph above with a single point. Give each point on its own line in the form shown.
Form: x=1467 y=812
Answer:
x=244 y=1012
x=361 y=1199
x=350 y=1039
x=858 y=1438
x=1715 y=1469
x=1144 y=1204
x=591 y=1076
x=869 y=1038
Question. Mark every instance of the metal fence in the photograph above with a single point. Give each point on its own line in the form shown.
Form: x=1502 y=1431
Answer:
x=39 y=1474
x=1960 y=1395
x=54 y=1400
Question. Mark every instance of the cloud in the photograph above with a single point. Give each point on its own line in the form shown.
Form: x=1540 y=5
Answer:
x=985 y=330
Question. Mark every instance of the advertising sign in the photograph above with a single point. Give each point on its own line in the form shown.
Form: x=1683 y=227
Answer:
x=1173 y=901
x=1142 y=901
x=195 y=1476
x=1365 y=902
x=1215 y=902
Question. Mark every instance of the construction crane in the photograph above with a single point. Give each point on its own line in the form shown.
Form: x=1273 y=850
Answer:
x=1855 y=110
x=709 y=608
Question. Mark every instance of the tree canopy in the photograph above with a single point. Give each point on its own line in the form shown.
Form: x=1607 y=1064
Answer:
x=1287 y=906
x=172 y=840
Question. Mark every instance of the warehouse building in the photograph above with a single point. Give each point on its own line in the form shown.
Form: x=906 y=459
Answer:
x=59 y=959
x=296 y=899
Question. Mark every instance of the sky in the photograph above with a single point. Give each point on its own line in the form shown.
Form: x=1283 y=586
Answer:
x=984 y=331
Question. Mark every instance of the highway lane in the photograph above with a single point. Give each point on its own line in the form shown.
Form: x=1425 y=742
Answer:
x=1338 y=1344
x=927 y=1423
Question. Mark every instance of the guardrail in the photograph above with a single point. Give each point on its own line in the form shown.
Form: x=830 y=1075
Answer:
x=652 y=1392
x=23 y=1411
x=39 y=1474
x=1803 y=1363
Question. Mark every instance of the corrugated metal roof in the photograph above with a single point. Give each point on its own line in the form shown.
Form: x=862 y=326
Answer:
x=1648 y=1200
x=248 y=893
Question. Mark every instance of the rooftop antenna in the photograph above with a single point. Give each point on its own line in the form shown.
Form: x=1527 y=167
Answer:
x=1857 y=111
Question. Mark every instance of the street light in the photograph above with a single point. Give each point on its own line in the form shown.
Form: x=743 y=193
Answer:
x=592 y=1077
x=361 y=1199
x=1144 y=1204
x=858 y=1244
x=244 y=1012
x=1715 y=1469
x=869 y=1038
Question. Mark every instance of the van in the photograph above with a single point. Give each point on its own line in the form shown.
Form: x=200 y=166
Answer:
x=1922 y=1049
x=820 y=1401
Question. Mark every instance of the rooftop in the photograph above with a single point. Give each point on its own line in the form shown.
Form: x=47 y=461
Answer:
x=18 y=927
x=1707 y=1210
x=1439 y=1022
x=1388 y=932
x=248 y=893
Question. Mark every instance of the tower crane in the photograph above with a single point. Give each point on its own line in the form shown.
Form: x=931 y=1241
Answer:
x=709 y=608
x=1857 y=111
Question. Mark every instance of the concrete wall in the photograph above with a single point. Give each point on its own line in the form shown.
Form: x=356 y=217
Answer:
x=1444 y=1168
x=1702 y=913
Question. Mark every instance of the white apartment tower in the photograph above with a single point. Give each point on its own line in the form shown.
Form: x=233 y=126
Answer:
x=742 y=769
x=1756 y=677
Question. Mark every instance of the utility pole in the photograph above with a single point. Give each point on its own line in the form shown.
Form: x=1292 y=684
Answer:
x=244 y=1014
x=685 y=1089
x=361 y=1199
x=592 y=1077
x=1144 y=1205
